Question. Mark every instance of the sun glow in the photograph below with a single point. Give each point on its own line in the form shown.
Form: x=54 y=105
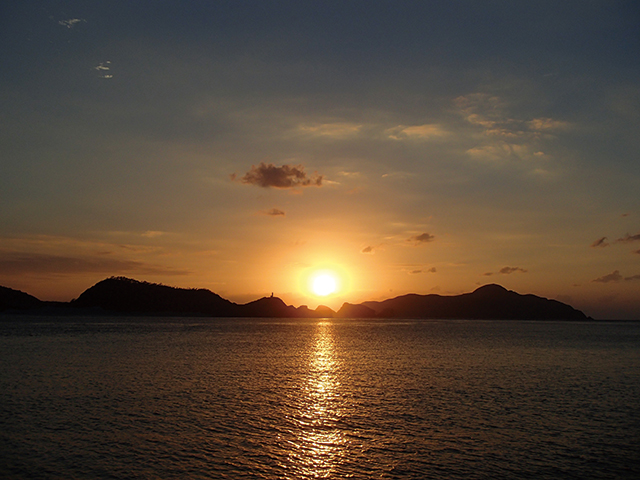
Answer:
x=325 y=282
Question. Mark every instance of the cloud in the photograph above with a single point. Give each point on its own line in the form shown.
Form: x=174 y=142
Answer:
x=286 y=176
x=274 y=212
x=510 y=270
x=422 y=238
x=335 y=130
x=367 y=249
x=14 y=263
x=72 y=22
x=629 y=238
x=416 y=132
x=103 y=68
x=398 y=175
x=506 y=271
x=600 y=243
x=503 y=137
x=418 y=271
x=612 y=277
x=544 y=124
x=153 y=233
x=631 y=278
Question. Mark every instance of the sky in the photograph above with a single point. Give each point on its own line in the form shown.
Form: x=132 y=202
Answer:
x=242 y=146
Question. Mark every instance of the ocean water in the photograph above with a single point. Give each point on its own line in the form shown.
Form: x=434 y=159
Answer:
x=138 y=398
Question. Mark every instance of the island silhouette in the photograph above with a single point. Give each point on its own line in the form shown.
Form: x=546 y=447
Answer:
x=122 y=295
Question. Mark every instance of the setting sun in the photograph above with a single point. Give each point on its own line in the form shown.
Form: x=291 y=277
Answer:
x=324 y=284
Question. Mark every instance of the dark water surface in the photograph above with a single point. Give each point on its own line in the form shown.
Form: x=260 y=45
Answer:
x=274 y=398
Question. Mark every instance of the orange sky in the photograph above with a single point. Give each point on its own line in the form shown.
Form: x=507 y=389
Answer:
x=410 y=147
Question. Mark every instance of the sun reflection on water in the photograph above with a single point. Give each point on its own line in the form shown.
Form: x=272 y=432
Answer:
x=320 y=442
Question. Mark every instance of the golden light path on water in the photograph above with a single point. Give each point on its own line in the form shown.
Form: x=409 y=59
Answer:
x=320 y=443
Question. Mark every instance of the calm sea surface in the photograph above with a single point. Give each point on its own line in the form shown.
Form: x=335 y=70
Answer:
x=202 y=398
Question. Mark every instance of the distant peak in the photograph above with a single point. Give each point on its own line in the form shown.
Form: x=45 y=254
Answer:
x=490 y=289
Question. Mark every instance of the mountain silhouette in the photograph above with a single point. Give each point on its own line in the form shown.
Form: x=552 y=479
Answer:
x=487 y=302
x=122 y=295
x=125 y=295
x=16 y=299
x=349 y=310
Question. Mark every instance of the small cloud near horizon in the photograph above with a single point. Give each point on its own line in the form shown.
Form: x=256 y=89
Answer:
x=601 y=242
x=368 y=249
x=510 y=270
x=612 y=277
x=632 y=278
x=15 y=263
x=286 y=176
x=416 y=272
x=506 y=271
x=274 y=212
x=422 y=238
x=629 y=238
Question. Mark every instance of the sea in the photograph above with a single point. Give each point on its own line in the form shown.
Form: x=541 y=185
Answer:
x=248 y=398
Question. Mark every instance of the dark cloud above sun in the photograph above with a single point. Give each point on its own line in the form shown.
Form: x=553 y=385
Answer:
x=286 y=176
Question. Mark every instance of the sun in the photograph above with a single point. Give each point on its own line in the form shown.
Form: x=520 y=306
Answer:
x=324 y=284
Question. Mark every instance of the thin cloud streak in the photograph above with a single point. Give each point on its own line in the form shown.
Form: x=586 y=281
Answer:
x=16 y=263
x=629 y=238
x=612 y=277
x=506 y=271
x=275 y=212
x=601 y=242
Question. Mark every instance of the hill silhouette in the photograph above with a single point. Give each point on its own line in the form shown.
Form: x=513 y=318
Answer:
x=122 y=295
x=125 y=295
x=16 y=299
x=487 y=302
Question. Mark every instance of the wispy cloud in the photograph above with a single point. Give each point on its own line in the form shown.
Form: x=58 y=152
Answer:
x=601 y=242
x=419 y=271
x=17 y=263
x=629 y=238
x=506 y=271
x=274 y=212
x=612 y=277
x=334 y=130
x=286 y=176
x=368 y=250
x=72 y=22
x=416 y=132
x=502 y=136
x=510 y=270
x=153 y=234
x=103 y=69
x=632 y=278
